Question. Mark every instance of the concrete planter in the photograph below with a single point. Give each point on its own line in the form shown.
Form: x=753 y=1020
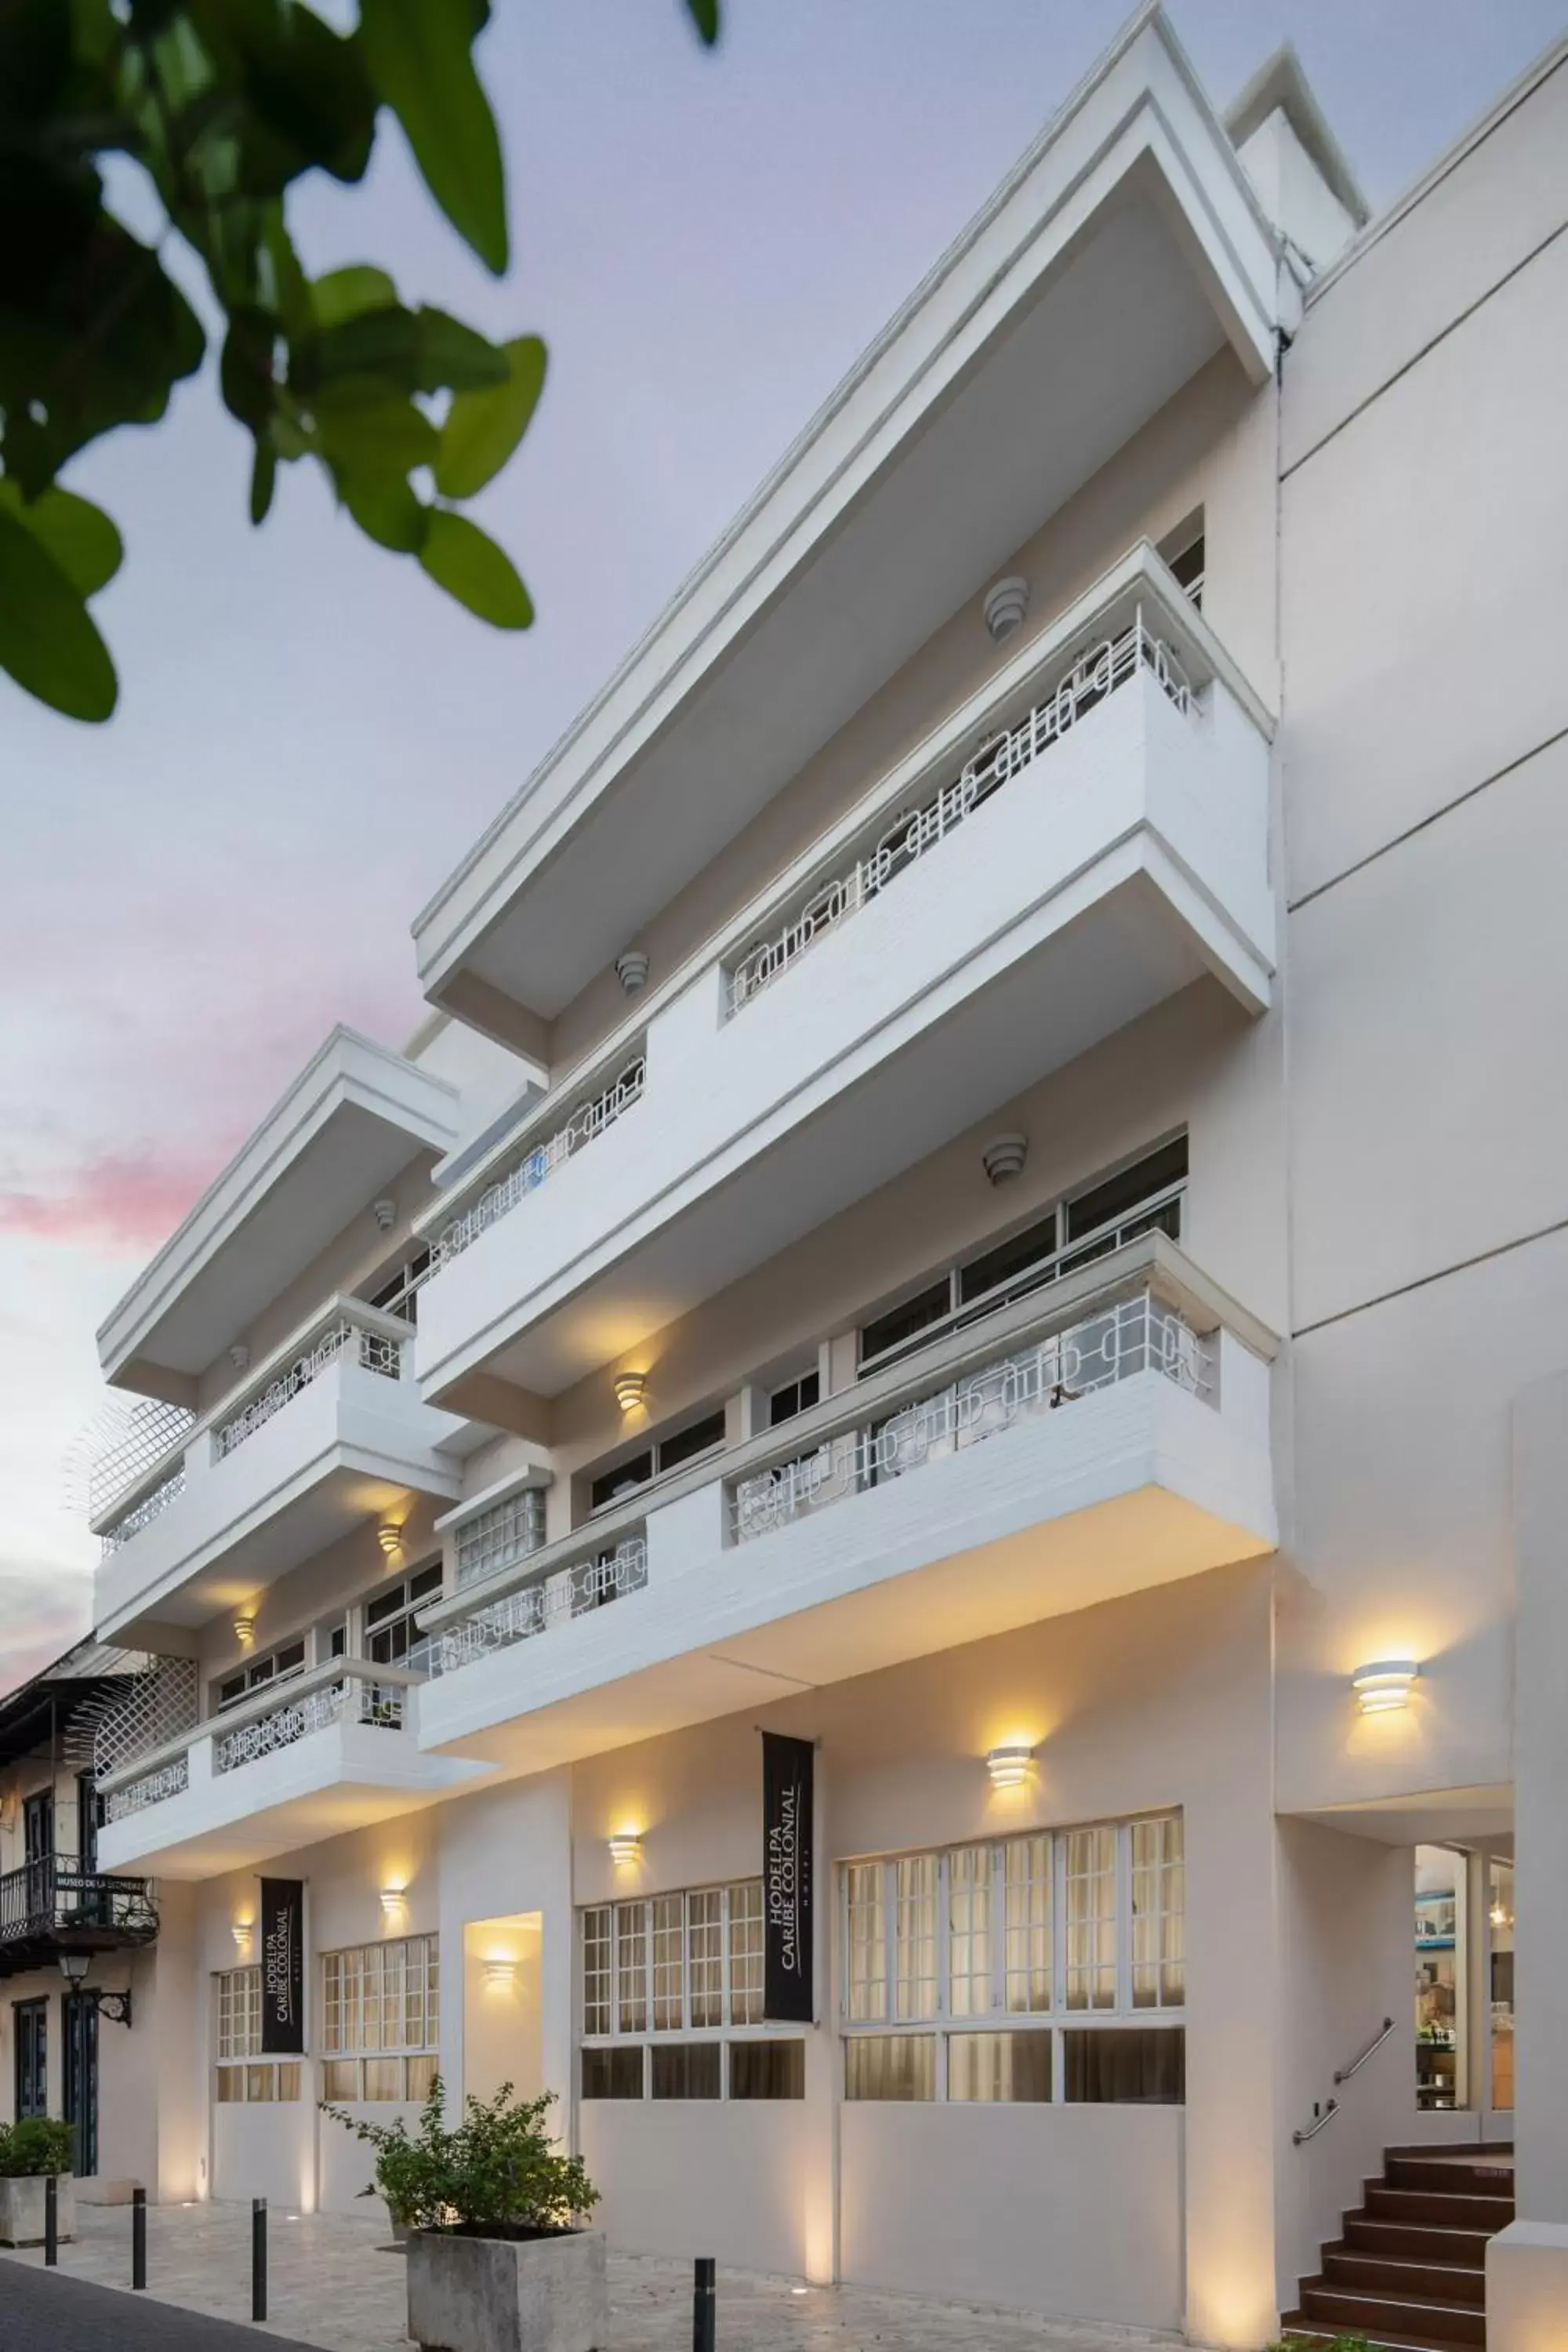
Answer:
x=507 y=2295
x=22 y=2210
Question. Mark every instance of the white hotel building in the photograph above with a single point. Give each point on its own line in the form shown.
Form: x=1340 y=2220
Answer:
x=984 y=1185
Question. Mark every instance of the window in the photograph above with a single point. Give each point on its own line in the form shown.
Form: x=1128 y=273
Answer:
x=672 y=1972
x=795 y=1396
x=995 y=1951
x=1185 y=555
x=381 y=2019
x=239 y=2037
x=668 y=1453
x=277 y=1666
x=400 y=1295
x=1089 y=1224
x=390 y=1623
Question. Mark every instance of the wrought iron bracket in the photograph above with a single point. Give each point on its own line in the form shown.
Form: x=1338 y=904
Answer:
x=115 y=2005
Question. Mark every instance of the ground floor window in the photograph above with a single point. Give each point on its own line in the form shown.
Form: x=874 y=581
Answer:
x=258 y=2081
x=687 y=1965
x=770 y=2067
x=381 y=2021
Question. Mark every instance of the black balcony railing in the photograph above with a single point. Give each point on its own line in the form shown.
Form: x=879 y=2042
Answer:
x=52 y=1905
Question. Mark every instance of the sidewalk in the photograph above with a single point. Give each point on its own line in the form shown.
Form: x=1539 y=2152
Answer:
x=331 y=2283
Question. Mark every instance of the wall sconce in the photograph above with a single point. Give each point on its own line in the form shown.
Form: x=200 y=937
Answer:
x=393 y=1899
x=631 y=970
x=240 y=1356
x=1384 y=1686
x=1010 y=1767
x=1005 y=605
x=245 y=1632
x=385 y=1213
x=500 y=1973
x=626 y=1847
x=389 y=1536
x=1003 y=1158
x=241 y=1934
x=630 y=1389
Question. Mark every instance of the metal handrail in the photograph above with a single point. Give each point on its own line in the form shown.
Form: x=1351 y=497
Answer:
x=1299 y=2138
x=1378 y=2039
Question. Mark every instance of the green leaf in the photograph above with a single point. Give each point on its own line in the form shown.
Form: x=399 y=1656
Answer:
x=483 y=428
x=451 y=353
x=245 y=371
x=47 y=641
x=468 y=566
x=369 y=438
x=306 y=95
x=393 y=517
x=263 y=480
x=80 y=537
x=704 y=14
x=418 y=56
x=345 y=293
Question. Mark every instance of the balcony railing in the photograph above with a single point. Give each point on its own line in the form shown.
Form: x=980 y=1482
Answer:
x=537 y=1160
x=1140 y=1333
x=572 y=1586
x=143 y=1438
x=148 y=1788
x=348 y=1333
x=51 y=1904
x=143 y=1514
x=913 y=834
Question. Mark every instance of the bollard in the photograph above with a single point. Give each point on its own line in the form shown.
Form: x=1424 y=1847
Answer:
x=258 y=2258
x=51 y=2219
x=138 y=2237
x=704 y=2311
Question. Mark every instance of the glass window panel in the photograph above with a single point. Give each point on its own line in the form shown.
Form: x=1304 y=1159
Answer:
x=1159 y=1901
x=614 y=2074
x=902 y=1323
x=705 y=1944
x=1109 y=1202
x=867 y=1970
x=383 y=2078
x=1090 y=1891
x=421 y=2075
x=1142 y=2066
x=686 y=2070
x=631 y=1968
x=889 y=2066
x=260 y=2082
x=381 y=1996
x=1026 y=1882
x=668 y=1963
x=288 y=2079
x=767 y=2070
x=746 y=1901
x=914 y=1934
x=340 y=2080
x=969 y=1930
x=686 y=1444
x=1008 y=1260
x=230 y=2084
x=596 y=1945
x=999 y=2066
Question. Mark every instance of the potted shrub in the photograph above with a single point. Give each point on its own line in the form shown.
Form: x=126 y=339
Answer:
x=498 y=2260
x=30 y=2151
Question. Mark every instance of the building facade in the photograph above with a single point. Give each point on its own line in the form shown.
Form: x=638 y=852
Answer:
x=982 y=1187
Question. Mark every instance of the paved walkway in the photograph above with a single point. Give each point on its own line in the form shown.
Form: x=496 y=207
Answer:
x=332 y=2284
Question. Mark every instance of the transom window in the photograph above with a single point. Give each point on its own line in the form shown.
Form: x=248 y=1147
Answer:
x=277 y=1666
x=1086 y=1224
x=666 y=1454
x=381 y=2019
x=237 y=1993
x=682 y=1964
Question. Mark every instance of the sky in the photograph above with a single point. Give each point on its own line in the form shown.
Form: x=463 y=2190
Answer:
x=309 y=735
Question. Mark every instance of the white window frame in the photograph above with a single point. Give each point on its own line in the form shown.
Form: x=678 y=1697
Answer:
x=253 y=2079
x=653 y=1999
x=340 y=2037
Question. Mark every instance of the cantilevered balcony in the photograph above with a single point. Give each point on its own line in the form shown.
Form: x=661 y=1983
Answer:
x=52 y=1905
x=1083 y=839
x=1102 y=1434
x=327 y=1431
x=330 y=1750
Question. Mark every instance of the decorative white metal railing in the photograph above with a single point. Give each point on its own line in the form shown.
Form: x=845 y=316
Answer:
x=552 y=1600
x=352 y=1700
x=537 y=1162
x=1136 y=1334
x=497 y=1538
x=143 y=1514
x=1094 y=675
x=345 y=1334
x=151 y=1431
x=161 y=1705
x=170 y=1779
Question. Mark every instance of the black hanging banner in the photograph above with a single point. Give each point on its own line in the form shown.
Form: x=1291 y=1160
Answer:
x=282 y=1967
x=787 y=1906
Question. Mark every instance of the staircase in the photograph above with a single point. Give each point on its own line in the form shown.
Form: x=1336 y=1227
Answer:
x=1409 y=2272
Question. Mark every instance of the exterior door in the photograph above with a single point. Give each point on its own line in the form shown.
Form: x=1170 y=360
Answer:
x=38 y=1850
x=80 y=2100
x=32 y=2023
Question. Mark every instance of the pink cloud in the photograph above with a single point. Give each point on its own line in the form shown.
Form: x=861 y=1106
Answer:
x=36 y=1625
x=117 y=1203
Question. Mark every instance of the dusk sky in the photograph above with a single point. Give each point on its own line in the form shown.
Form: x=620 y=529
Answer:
x=310 y=734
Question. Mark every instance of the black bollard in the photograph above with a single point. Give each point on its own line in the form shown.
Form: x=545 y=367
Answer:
x=138 y=2237
x=258 y=2258
x=51 y=2219
x=704 y=2308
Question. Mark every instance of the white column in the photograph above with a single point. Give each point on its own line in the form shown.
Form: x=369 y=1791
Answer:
x=1527 y=2263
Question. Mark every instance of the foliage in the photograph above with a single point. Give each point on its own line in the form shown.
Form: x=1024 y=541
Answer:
x=38 y=2144
x=224 y=105
x=496 y=2168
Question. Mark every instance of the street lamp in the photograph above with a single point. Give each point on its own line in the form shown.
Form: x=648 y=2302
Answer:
x=115 y=2005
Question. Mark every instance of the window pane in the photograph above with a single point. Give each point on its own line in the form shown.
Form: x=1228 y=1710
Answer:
x=383 y=2078
x=1144 y=2066
x=613 y=2073
x=746 y=1953
x=997 y=2066
x=668 y=1963
x=623 y=1479
x=230 y=2084
x=1159 y=1896
x=597 y=1969
x=867 y=1959
x=340 y=2080
x=903 y=1322
x=260 y=2082
x=685 y=1444
x=421 y=2075
x=631 y=1968
x=686 y=2070
x=1091 y=1918
x=914 y=1934
x=705 y=1945
x=889 y=2066
x=1104 y=1203
x=1007 y=1260
x=767 y=2070
x=288 y=2079
x=969 y=1930
x=1026 y=1870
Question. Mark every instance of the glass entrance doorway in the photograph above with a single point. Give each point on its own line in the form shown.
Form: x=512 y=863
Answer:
x=1464 y=1984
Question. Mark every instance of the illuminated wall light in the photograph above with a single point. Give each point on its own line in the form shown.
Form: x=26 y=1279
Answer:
x=500 y=1973
x=245 y=1632
x=241 y=1932
x=630 y=1389
x=1384 y=1686
x=393 y=1899
x=1010 y=1767
x=626 y=1847
x=389 y=1536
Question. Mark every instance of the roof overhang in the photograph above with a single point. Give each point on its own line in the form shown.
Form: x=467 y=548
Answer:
x=356 y=1115
x=1122 y=253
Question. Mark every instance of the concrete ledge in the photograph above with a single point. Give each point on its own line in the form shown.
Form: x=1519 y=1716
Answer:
x=1526 y=2287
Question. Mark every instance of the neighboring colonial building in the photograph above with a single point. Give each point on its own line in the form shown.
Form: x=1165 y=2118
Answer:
x=984 y=1188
